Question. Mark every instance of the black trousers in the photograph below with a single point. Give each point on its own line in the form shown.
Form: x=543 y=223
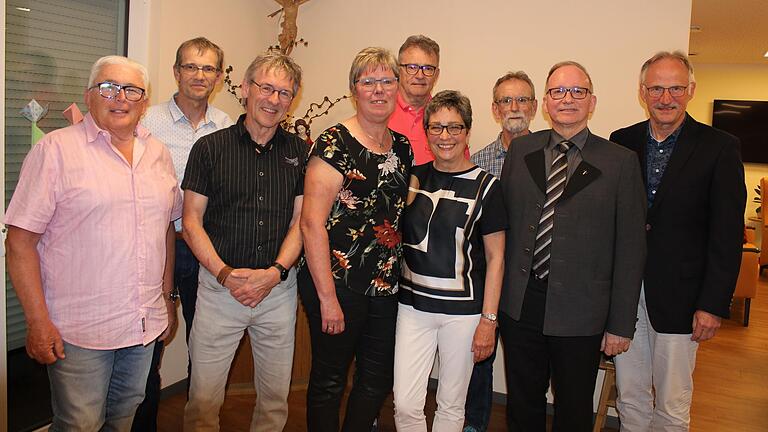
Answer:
x=369 y=338
x=531 y=358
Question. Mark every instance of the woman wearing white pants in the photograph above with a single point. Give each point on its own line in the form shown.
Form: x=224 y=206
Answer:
x=453 y=245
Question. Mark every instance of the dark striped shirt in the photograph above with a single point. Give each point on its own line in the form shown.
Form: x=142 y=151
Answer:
x=250 y=190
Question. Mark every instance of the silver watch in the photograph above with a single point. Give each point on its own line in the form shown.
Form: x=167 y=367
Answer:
x=492 y=317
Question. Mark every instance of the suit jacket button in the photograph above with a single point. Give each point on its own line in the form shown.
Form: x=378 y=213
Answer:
x=531 y=228
x=647 y=227
x=527 y=251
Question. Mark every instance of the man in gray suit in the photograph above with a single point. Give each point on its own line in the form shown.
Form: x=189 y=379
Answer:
x=574 y=257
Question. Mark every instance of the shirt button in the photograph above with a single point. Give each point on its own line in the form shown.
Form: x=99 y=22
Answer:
x=653 y=192
x=261 y=198
x=657 y=170
x=259 y=247
x=261 y=223
x=661 y=151
x=261 y=173
x=647 y=227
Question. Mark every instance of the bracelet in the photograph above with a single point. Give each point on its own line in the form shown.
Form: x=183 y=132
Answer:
x=224 y=274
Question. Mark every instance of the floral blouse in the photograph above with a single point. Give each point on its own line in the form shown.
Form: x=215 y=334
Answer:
x=364 y=222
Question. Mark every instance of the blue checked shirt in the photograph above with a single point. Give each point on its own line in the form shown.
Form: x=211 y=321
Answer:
x=491 y=157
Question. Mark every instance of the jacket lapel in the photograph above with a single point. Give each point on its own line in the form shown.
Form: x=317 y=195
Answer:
x=584 y=174
x=535 y=163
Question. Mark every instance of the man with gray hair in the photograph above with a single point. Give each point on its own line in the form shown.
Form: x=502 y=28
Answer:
x=90 y=251
x=243 y=191
x=514 y=106
x=694 y=184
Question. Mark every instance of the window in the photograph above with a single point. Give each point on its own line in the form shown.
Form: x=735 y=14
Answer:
x=49 y=48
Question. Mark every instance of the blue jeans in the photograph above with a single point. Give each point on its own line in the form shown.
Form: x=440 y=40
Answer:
x=98 y=390
x=185 y=280
x=477 y=409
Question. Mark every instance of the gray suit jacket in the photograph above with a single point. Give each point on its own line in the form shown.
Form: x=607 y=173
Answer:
x=598 y=244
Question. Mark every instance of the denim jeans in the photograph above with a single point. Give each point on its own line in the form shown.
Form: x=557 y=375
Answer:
x=185 y=280
x=216 y=333
x=98 y=390
x=477 y=410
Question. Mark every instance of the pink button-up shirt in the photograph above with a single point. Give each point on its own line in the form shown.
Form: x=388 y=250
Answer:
x=103 y=225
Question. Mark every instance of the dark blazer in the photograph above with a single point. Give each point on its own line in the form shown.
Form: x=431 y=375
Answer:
x=695 y=226
x=598 y=244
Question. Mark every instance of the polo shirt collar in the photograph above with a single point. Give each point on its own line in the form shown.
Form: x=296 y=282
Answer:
x=407 y=108
x=245 y=137
x=92 y=130
x=177 y=114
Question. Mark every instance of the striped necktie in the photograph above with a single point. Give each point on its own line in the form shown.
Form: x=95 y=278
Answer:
x=555 y=187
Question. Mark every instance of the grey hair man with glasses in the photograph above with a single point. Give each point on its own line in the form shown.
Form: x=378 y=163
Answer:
x=514 y=106
x=243 y=191
x=90 y=252
x=574 y=255
x=694 y=184
x=178 y=123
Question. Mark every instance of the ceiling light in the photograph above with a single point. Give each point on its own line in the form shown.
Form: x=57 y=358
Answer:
x=766 y=54
x=23 y=9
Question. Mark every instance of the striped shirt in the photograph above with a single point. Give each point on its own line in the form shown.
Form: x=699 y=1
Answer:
x=250 y=190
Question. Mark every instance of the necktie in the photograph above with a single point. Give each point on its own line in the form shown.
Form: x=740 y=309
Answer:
x=555 y=187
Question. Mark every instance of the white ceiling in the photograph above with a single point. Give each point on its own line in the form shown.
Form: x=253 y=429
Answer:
x=732 y=31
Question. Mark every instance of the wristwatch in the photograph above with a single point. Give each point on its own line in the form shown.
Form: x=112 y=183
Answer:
x=173 y=295
x=492 y=317
x=283 y=271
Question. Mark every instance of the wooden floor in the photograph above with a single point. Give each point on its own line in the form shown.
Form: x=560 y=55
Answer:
x=730 y=385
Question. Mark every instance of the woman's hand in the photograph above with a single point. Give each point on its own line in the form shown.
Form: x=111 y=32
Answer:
x=332 y=317
x=484 y=341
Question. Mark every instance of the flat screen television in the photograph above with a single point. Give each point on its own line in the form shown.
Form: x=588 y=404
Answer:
x=748 y=120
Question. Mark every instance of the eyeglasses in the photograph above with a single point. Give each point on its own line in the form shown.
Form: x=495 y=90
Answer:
x=191 y=69
x=507 y=100
x=268 y=90
x=437 y=129
x=558 y=93
x=110 y=90
x=370 y=83
x=658 y=91
x=413 y=69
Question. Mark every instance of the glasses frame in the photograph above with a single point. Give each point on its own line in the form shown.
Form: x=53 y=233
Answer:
x=369 y=84
x=126 y=89
x=507 y=100
x=570 y=90
x=650 y=90
x=268 y=90
x=192 y=69
x=457 y=128
x=414 y=68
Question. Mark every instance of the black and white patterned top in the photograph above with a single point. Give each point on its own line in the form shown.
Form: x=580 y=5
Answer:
x=443 y=227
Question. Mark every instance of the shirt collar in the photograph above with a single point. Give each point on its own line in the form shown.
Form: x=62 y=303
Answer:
x=671 y=139
x=177 y=114
x=92 y=130
x=407 y=108
x=580 y=139
x=245 y=136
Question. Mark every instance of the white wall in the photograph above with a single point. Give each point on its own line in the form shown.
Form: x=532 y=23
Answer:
x=479 y=42
x=739 y=82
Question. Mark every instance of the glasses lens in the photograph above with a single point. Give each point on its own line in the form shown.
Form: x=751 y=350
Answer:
x=133 y=94
x=455 y=129
x=412 y=69
x=557 y=93
x=285 y=95
x=435 y=129
x=578 y=92
x=677 y=91
x=428 y=70
x=108 y=89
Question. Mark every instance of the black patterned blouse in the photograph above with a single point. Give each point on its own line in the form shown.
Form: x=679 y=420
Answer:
x=364 y=222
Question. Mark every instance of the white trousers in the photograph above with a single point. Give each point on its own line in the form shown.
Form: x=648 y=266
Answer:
x=219 y=323
x=660 y=364
x=418 y=337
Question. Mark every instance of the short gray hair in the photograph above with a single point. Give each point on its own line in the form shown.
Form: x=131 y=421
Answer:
x=275 y=61
x=371 y=58
x=450 y=99
x=421 y=42
x=520 y=76
x=122 y=61
x=661 y=55
x=570 y=63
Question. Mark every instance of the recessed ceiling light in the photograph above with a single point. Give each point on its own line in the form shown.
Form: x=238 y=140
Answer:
x=766 y=54
x=695 y=28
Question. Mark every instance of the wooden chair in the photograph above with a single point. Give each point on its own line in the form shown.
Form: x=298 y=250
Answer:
x=762 y=225
x=607 y=394
x=749 y=273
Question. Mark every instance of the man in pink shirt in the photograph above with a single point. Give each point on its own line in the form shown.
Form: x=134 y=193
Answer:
x=90 y=251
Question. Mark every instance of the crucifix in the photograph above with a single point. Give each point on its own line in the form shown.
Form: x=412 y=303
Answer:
x=287 y=37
